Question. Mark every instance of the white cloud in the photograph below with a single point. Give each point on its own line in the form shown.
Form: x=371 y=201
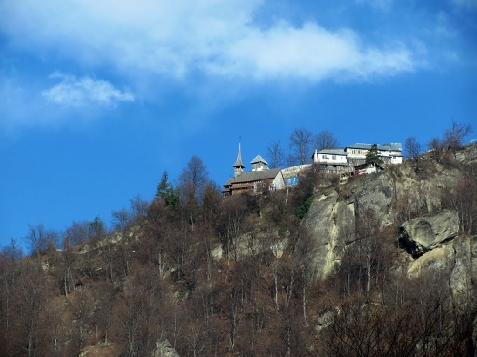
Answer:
x=176 y=38
x=311 y=52
x=79 y=92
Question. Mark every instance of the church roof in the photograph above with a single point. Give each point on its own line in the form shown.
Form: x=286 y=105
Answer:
x=253 y=176
x=258 y=159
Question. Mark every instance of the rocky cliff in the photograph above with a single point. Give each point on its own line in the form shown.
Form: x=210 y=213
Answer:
x=407 y=204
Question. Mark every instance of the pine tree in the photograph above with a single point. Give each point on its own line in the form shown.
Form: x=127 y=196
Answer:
x=372 y=157
x=165 y=191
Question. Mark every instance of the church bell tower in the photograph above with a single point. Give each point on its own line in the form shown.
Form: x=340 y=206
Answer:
x=238 y=166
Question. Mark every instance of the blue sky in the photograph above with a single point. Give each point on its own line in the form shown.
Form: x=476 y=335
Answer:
x=98 y=98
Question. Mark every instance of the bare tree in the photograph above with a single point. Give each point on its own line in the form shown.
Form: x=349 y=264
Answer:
x=121 y=219
x=300 y=143
x=437 y=147
x=412 y=147
x=139 y=207
x=191 y=183
x=452 y=140
x=325 y=140
x=77 y=233
x=463 y=199
x=40 y=239
x=454 y=136
x=194 y=175
x=413 y=150
x=276 y=154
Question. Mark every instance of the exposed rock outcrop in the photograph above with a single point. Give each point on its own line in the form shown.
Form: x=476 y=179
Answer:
x=425 y=233
x=326 y=318
x=376 y=194
x=331 y=222
x=462 y=278
x=164 y=349
x=440 y=258
x=331 y=219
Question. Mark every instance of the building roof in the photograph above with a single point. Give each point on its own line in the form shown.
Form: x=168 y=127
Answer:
x=258 y=159
x=239 y=162
x=385 y=147
x=333 y=152
x=253 y=176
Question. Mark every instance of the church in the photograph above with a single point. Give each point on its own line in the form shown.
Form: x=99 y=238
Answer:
x=260 y=178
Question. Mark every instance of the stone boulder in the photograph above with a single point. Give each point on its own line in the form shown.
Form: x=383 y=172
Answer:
x=164 y=349
x=438 y=259
x=422 y=234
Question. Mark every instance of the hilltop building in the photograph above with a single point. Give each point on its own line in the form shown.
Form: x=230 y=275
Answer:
x=347 y=161
x=352 y=158
x=261 y=177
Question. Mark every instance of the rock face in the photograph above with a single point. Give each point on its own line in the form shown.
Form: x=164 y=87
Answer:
x=462 y=277
x=376 y=194
x=396 y=193
x=164 y=349
x=331 y=219
x=331 y=222
x=425 y=233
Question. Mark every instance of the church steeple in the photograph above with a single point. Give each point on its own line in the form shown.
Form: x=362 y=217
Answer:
x=238 y=166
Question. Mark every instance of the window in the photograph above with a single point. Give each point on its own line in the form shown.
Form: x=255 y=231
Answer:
x=359 y=152
x=333 y=157
x=325 y=157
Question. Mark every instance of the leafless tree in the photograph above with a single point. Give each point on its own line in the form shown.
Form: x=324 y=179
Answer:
x=454 y=136
x=194 y=176
x=121 y=219
x=77 y=233
x=139 y=207
x=276 y=154
x=325 y=140
x=438 y=148
x=412 y=147
x=191 y=182
x=413 y=150
x=463 y=199
x=300 y=143
x=40 y=239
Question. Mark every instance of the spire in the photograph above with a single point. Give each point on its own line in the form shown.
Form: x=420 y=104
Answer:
x=239 y=162
x=239 y=166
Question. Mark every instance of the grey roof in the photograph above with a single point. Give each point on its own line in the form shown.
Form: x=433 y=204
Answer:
x=332 y=152
x=253 y=176
x=396 y=146
x=385 y=147
x=258 y=159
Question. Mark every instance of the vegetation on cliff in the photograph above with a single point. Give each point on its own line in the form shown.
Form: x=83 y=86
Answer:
x=236 y=276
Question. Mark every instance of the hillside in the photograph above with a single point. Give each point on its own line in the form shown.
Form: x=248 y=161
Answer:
x=380 y=264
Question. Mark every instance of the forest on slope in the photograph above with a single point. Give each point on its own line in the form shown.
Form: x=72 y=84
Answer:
x=195 y=274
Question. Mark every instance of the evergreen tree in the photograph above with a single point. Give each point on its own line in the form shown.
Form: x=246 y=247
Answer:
x=97 y=227
x=372 y=157
x=165 y=191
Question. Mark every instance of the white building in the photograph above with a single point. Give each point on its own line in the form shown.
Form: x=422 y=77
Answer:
x=333 y=159
x=346 y=159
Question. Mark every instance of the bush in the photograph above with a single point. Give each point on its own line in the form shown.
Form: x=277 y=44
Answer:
x=303 y=209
